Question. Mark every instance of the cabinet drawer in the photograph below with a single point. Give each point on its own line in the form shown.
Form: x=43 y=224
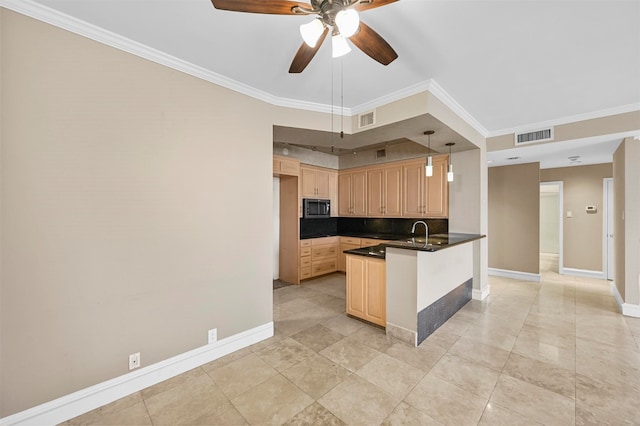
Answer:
x=323 y=241
x=305 y=243
x=350 y=240
x=305 y=251
x=368 y=242
x=324 y=251
x=323 y=267
x=305 y=261
x=305 y=272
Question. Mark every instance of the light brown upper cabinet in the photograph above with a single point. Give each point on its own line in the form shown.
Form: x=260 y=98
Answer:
x=425 y=196
x=319 y=182
x=438 y=189
x=285 y=166
x=352 y=193
x=384 y=191
x=315 y=182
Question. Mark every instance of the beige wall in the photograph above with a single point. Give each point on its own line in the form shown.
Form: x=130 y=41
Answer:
x=627 y=220
x=582 y=233
x=128 y=212
x=514 y=218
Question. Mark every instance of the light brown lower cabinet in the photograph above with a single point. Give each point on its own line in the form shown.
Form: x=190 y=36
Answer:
x=367 y=289
x=318 y=256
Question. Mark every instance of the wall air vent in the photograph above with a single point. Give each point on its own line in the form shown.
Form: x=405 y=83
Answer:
x=540 y=135
x=366 y=119
x=381 y=153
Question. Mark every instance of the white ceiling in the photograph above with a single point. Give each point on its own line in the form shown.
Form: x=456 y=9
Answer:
x=508 y=64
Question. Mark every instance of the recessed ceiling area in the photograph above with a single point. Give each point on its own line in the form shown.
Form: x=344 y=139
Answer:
x=580 y=152
x=409 y=130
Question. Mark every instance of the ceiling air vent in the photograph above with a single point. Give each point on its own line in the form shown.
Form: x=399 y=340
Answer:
x=366 y=119
x=534 y=136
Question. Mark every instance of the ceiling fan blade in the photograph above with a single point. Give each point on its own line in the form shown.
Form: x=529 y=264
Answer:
x=276 y=7
x=305 y=54
x=371 y=4
x=371 y=43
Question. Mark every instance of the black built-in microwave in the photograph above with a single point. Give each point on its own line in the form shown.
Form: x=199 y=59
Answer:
x=315 y=209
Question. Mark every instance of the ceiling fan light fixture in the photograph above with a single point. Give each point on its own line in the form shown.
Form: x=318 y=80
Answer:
x=339 y=45
x=311 y=32
x=348 y=22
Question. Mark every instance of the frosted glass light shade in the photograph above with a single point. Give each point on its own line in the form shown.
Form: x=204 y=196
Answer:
x=450 y=173
x=348 y=22
x=429 y=168
x=311 y=32
x=339 y=46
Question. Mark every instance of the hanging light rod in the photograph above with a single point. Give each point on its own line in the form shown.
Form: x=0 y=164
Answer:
x=450 y=172
x=429 y=168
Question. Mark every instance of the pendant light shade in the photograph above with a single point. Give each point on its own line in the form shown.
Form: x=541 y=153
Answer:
x=311 y=32
x=450 y=171
x=348 y=22
x=429 y=168
x=339 y=46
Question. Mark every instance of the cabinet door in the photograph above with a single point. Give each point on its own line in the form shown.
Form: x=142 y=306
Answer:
x=344 y=194
x=333 y=193
x=393 y=191
x=308 y=184
x=322 y=184
x=342 y=258
x=437 y=189
x=359 y=194
x=375 y=192
x=413 y=193
x=376 y=292
x=356 y=279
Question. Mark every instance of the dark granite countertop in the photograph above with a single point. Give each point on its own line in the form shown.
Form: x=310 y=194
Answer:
x=433 y=243
x=359 y=235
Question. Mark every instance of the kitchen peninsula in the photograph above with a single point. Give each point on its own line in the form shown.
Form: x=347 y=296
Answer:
x=411 y=286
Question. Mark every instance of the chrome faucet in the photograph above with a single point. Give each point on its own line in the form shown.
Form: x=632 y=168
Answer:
x=426 y=228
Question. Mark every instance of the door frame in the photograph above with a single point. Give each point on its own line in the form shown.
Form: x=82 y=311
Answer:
x=560 y=186
x=607 y=213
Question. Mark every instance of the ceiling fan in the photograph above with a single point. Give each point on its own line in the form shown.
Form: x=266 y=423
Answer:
x=340 y=15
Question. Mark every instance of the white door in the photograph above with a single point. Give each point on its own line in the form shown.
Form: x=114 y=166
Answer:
x=608 y=237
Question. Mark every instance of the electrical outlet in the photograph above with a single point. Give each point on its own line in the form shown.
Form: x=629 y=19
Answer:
x=212 y=336
x=134 y=361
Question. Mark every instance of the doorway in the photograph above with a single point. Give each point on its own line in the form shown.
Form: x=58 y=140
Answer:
x=551 y=227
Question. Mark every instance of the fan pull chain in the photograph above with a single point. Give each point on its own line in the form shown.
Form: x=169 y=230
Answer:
x=341 y=99
x=332 y=107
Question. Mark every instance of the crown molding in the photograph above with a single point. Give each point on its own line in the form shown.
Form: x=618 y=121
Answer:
x=567 y=120
x=101 y=35
x=454 y=106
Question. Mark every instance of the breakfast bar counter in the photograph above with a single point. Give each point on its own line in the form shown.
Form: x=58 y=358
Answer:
x=426 y=281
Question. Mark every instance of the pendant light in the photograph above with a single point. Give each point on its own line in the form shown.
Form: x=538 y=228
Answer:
x=429 y=168
x=450 y=172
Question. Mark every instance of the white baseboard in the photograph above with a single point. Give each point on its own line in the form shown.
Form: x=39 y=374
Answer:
x=625 y=308
x=517 y=275
x=82 y=401
x=586 y=273
x=480 y=294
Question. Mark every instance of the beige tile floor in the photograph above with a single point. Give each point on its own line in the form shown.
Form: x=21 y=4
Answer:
x=555 y=352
